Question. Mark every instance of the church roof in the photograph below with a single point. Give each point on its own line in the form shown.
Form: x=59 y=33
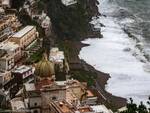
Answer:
x=44 y=68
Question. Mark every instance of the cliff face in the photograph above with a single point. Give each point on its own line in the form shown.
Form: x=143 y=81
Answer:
x=17 y=3
x=71 y=22
x=70 y=25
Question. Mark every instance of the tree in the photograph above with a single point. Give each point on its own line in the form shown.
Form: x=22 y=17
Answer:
x=133 y=108
x=142 y=108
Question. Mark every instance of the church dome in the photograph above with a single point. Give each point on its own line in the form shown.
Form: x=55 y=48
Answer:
x=44 y=68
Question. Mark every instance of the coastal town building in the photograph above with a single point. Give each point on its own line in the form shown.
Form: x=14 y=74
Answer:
x=18 y=105
x=64 y=107
x=13 y=22
x=12 y=49
x=45 y=94
x=35 y=88
x=9 y=24
x=5 y=76
x=101 y=109
x=6 y=61
x=17 y=78
x=25 y=36
x=2 y=99
x=22 y=74
x=46 y=23
x=5 y=3
x=91 y=99
x=57 y=57
x=60 y=107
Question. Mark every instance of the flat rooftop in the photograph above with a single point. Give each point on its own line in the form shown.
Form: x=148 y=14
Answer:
x=6 y=2
x=56 y=55
x=22 y=32
x=64 y=107
x=29 y=86
x=17 y=104
x=22 y=69
x=100 y=109
x=9 y=46
x=89 y=94
x=85 y=109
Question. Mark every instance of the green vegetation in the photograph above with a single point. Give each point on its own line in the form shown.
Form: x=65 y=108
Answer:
x=60 y=76
x=80 y=74
x=133 y=108
x=67 y=47
x=25 y=19
x=17 y=4
x=70 y=22
x=35 y=57
x=84 y=76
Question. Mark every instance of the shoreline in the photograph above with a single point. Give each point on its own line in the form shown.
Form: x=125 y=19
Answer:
x=72 y=52
x=104 y=97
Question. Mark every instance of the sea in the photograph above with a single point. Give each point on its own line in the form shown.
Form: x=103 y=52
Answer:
x=124 y=50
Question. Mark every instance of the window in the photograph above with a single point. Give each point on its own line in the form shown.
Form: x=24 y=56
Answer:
x=35 y=104
x=35 y=111
x=54 y=98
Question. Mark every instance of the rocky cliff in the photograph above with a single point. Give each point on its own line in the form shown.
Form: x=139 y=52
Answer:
x=71 y=22
x=71 y=25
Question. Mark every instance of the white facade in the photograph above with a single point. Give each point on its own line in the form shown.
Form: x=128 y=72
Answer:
x=25 y=36
x=57 y=57
x=12 y=49
x=101 y=109
x=17 y=104
x=46 y=23
x=5 y=3
x=23 y=70
x=69 y=2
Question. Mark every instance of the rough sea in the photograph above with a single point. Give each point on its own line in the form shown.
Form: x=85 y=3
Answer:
x=124 y=50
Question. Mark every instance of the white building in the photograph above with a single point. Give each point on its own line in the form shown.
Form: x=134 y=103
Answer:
x=5 y=3
x=18 y=105
x=69 y=2
x=23 y=73
x=57 y=57
x=25 y=36
x=12 y=53
x=23 y=69
x=46 y=23
x=101 y=109
x=12 y=49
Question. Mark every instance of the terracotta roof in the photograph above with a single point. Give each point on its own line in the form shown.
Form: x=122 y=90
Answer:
x=85 y=109
x=44 y=82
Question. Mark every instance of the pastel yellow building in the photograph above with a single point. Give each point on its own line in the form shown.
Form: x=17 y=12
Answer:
x=25 y=37
x=6 y=61
x=9 y=24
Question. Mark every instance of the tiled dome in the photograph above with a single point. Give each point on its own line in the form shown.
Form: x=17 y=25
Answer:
x=44 y=68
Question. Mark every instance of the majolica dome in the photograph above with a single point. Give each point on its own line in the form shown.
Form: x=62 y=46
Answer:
x=44 y=68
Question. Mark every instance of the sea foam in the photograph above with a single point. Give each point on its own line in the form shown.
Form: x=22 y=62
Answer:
x=128 y=79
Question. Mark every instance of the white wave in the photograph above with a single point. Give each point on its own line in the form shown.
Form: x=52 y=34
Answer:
x=127 y=21
x=128 y=79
